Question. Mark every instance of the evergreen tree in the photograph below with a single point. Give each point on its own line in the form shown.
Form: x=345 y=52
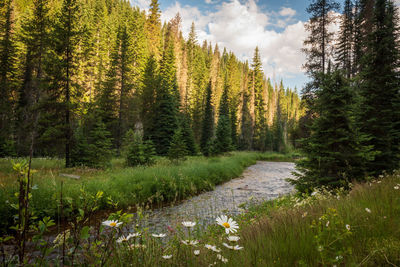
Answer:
x=153 y=26
x=334 y=154
x=7 y=76
x=208 y=123
x=177 y=150
x=224 y=126
x=148 y=97
x=65 y=38
x=246 y=133
x=344 y=50
x=167 y=103
x=35 y=37
x=256 y=83
x=379 y=118
x=188 y=135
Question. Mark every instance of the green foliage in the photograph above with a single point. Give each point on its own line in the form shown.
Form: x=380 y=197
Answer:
x=334 y=153
x=177 y=150
x=208 y=123
x=223 y=134
x=95 y=151
x=138 y=152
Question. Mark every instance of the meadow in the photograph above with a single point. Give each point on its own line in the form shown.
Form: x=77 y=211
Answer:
x=121 y=187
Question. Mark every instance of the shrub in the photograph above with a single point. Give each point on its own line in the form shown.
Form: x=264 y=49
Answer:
x=138 y=152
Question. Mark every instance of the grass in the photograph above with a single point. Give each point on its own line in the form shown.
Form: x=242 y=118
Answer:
x=159 y=184
x=286 y=232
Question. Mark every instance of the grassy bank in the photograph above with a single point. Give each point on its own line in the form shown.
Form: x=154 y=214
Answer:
x=358 y=229
x=159 y=184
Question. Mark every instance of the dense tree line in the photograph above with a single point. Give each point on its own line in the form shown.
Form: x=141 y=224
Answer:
x=353 y=101
x=78 y=75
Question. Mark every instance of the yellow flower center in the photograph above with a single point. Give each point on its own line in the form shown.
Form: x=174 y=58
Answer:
x=113 y=224
x=226 y=225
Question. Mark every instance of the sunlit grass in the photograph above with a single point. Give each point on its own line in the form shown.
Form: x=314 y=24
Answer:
x=162 y=183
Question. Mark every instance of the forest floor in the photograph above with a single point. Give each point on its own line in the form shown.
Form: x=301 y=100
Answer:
x=122 y=187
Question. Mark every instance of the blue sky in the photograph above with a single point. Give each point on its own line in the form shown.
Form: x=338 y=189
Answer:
x=276 y=26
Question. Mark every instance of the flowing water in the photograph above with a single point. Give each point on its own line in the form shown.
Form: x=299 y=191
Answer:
x=262 y=181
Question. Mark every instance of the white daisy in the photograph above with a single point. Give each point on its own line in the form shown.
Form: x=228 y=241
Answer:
x=133 y=235
x=122 y=239
x=167 y=257
x=112 y=223
x=221 y=258
x=233 y=238
x=190 y=242
x=213 y=248
x=159 y=235
x=396 y=187
x=327 y=223
x=189 y=224
x=237 y=247
x=348 y=227
x=368 y=210
x=228 y=223
x=196 y=252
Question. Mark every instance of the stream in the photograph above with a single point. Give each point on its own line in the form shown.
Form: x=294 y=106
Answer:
x=259 y=182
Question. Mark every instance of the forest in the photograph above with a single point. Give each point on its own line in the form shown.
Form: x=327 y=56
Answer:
x=85 y=79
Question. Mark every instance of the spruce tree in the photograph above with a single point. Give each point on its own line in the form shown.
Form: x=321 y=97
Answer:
x=208 y=123
x=344 y=49
x=334 y=154
x=148 y=97
x=256 y=84
x=188 y=135
x=379 y=117
x=246 y=129
x=224 y=126
x=177 y=150
x=167 y=103
x=7 y=79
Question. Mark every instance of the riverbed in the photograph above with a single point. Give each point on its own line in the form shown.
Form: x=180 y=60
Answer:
x=260 y=182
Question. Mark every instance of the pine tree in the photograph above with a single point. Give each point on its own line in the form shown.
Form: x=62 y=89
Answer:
x=224 y=126
x=334 y=154
x=188 y=135
x=65 y=38
x=344 y=49
x=153 y=26
x=256 y=83
x=167 y=102
x=7 y=77
x=35 y=37
x=246 y=129
x=379 y=118
x=208 y=123
x=148 y=97
x=177 y=150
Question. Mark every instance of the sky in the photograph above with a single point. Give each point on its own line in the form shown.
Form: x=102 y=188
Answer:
x=275 y=26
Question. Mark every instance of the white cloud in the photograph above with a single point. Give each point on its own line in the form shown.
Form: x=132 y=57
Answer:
x=240 y=27
x=142 y=4
x=287 y=12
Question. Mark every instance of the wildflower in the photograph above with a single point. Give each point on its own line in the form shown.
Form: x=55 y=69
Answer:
x=159 y=235
x=196 y=252
x=314 y=193
x=213 y=248
x=396 y=187
x=35 y=187
x=304 y=214
x=112 y=223
x=348 y=227
x=320 y=248
x=137 y=246
x=122 y=239
x=379 y=182
x=221 y=258
x=233 y=238
x=327 y=223
x=189 y=224
x=167 y=257
x=368 y=210
x=133 y=235
x=237 y=247
x=339 y=257
x=190 y=242
x=229 y=224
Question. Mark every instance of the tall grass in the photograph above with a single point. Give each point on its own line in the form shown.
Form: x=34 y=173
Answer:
x=283 y=233
x=158 y=184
